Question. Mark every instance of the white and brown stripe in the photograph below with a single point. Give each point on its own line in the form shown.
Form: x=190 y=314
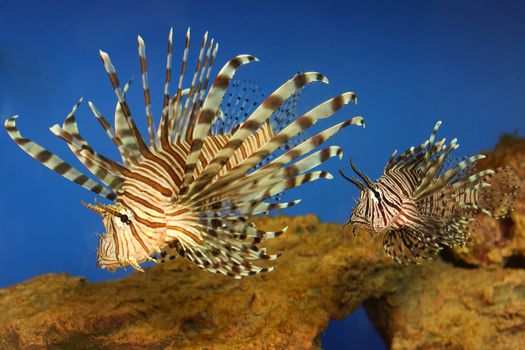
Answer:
x=145 y=87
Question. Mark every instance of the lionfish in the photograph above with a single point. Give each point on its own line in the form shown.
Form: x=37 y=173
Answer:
x=205 y=171
x=425 y=199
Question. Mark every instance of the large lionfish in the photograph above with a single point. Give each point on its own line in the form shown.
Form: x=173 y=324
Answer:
x=421 y=203
x=192 y=189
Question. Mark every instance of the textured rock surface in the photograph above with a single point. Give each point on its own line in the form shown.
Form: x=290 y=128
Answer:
x=322 y=274
x=440 y=306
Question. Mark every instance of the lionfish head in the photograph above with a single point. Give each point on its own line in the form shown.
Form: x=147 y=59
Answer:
x=117 y=246
x=362 y=214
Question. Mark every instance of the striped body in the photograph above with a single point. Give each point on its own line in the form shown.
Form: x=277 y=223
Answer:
x=191 y=186
x=420 y=205
x=150 y=192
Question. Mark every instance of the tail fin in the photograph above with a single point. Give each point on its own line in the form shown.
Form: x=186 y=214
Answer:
x=496 y=200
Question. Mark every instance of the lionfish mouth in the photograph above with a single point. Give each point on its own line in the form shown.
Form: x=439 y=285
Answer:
x=112 y=266
x=109 y=268
x=358 y=223
x=353 y=224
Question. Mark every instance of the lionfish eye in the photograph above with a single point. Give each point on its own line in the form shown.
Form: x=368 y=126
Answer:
x=124 y=219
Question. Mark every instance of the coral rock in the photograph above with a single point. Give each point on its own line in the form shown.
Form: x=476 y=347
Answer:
x=322 y=274
x=440 y=306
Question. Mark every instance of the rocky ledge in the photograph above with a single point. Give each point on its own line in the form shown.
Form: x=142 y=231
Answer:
x=470 y=299
x=322 y=274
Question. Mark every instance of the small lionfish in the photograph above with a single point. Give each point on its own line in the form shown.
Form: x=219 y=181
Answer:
x=421 y=204
x=205 y=170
